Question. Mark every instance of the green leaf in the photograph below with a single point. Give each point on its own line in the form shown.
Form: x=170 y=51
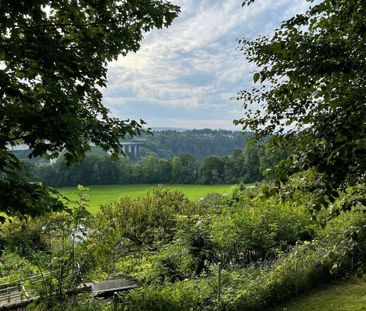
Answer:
x=256 y=77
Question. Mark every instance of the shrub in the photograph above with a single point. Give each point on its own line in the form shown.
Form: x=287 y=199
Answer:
x=260 y=231
x=189 y=254
x=185 y=295
x=54 y=254
x=131 y=226
x=339 y=245
x=171 y=263
x=307 y=264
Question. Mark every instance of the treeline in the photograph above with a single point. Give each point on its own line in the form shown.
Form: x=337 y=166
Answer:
x=246 y=165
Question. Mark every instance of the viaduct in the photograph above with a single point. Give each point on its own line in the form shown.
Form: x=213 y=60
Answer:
x=132 y=146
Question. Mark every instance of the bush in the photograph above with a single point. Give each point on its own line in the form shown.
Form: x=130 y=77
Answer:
x=184 y=295
x=338 y=251
x=132 y=226
x=259 y=231
x=171 y=263
x=190 y=254
x=55 y=258
x=340 y=245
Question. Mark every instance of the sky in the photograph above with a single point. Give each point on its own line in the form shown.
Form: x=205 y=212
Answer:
x=185 y=76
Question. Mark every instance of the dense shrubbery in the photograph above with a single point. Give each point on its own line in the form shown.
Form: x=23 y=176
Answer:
x=53 y=258
x=131 y=226
x=185 y=295
x=269 y=250
x=259 y=232
x=337 y=251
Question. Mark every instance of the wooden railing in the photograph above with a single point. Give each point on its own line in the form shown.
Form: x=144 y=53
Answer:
x=14 y=296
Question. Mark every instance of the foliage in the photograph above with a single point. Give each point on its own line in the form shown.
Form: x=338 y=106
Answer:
x=189 y=255
x=259 y=231
x=170 y=263
x=248 y=165
x=102 y=195
x=20 y=198
x=234 y=235
x=194 y=236
x=252 y=288
x=242 y=166
x=185 y=295
x=335 y=252
x=347 y=233
x=12 y=267
x=83 y=303
x=270 y=250
x=212 y=170
x=312 y=91
x=184 y=169
x=310 y=87
x=305 y=188
x=251 y=158
x=55 y=257
x=198 y=143
x=350 y=198
x=53 y=58
x=131 y=226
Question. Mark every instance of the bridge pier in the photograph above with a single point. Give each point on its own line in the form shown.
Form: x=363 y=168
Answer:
x=132 y=147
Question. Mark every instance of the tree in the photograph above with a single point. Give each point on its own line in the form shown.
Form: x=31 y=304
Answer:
x=184 y=169
x=166 y=171
x=251 y=161
x=151 y=170
x=310 y=85
x=234 y=168
x=273 y=158
x=53 y=64
x=212 y=170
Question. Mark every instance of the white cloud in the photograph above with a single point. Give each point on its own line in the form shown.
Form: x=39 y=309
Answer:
x=192 y=69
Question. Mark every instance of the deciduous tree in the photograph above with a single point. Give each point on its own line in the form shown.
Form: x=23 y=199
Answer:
x=53 y=65
x=311 y=89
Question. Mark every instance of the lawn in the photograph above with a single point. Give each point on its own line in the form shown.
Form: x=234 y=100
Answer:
x=344 y=296
x=99 y=195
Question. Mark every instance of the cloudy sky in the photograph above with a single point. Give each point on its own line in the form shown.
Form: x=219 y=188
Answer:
x=184 y=76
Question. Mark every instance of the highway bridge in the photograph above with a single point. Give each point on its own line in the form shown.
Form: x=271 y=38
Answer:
x=132 y=146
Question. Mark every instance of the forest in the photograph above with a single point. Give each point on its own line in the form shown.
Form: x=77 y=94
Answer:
x=169 y=143
x=198 y=143
x=301 y=227
x=248 y=164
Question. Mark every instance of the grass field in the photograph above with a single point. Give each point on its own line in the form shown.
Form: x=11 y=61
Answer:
x=99 y=195
x=345 y=296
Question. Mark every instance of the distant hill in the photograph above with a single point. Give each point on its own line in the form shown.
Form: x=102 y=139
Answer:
x=161 y=129
x=199 y=143
x=166 y=143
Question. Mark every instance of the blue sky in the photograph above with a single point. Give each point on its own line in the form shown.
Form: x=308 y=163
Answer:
x=184 y=76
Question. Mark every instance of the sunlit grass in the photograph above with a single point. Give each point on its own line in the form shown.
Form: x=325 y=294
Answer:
x=100 y=195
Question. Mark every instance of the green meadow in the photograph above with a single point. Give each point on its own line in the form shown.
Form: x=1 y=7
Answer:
x=100 y=195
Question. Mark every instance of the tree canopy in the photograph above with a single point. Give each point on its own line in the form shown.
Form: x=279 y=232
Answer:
x=310 y=89
x=53 y=65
